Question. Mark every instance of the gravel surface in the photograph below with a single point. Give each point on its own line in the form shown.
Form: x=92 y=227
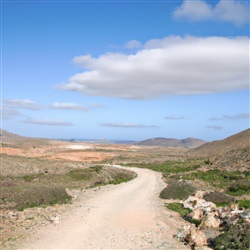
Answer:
x=125 y=216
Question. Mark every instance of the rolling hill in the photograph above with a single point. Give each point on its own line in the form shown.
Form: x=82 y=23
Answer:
x=231 y=153
x=171 y=142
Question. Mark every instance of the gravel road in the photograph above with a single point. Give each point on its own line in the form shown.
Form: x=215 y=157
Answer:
x=125 y=216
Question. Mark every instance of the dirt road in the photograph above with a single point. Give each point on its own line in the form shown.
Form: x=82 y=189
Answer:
x=125 y=216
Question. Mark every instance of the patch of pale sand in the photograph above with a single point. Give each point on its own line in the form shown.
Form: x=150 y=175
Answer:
x=76 y=146
x=82 y=156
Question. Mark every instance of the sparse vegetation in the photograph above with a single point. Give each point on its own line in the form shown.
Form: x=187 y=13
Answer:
x=47 y=189
x=223 y=179
x=178 y=207
x=244 y=204
x=219 y=198
x=184 y=212
x=236 y=236
x=177 y=190
x=172 y=167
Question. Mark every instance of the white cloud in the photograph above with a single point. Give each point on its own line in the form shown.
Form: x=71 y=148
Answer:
x=128 y=125
x=68 y=106
x=169 y=66
x=22 y=104
x=215 y=127
x=231 y=117
x=9 y=113
x=175 y=117
x=194 y=10
x=48 y=122
x=233 y=11
x=133 y=44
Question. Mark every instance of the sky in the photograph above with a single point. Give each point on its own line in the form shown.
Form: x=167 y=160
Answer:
x=125 y=70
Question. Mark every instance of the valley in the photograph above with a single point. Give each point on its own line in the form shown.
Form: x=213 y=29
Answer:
x=48 y=186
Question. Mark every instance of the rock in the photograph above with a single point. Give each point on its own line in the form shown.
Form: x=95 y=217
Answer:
x=12 y=215
x=197 y=214
x=234 y=207
x=246 y=215
x=56 y=219
x=194 y=203
x=211 y=220
x=192 y=236
x=199 y=194
x=197 y=237
x=224 y=212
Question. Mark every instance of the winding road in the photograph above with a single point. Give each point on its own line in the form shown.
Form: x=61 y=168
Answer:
x=125 y=216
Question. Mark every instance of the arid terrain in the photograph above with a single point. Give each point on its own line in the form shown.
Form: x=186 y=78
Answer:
x=53 y=190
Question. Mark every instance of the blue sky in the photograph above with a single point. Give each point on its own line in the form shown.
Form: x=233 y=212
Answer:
x=125 y=69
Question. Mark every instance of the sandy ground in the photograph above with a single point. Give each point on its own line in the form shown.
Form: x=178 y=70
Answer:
x=125 y=216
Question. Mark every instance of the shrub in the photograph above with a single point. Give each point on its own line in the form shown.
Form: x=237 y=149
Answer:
x=178 y=207
x=219 y=198
x=239 y=187
x=177 y=190
x=244 y=204
x=40 y=196
x=236 y=236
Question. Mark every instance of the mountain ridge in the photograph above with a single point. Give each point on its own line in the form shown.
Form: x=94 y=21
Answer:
x=189 y=142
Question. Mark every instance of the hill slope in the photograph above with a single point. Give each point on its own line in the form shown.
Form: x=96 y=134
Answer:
x=8 y=137
x=171 y=142
x=15 y=140
x=232 y=153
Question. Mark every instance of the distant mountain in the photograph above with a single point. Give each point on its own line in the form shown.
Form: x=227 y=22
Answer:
x=171 y=142
x=7 y=137
x=232 y=153
x=11 y=138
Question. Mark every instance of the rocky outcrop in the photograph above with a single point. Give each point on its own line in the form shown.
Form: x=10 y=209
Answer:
x=210 y=217
x=192 y=236
x=194 y=203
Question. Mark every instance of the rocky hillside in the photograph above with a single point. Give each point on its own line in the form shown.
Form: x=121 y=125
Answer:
x=171 y=142
x=232 y=153
x=10 y=139
x=7 y=137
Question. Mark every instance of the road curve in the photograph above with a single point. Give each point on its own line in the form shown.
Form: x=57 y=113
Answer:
x=125 y=216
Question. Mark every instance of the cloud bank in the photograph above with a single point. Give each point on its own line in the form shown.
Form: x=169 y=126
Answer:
x=169 y=66
x=231 y=117
x=48 y=122
x=22 y=104
x=68 y=106
x=225 y=11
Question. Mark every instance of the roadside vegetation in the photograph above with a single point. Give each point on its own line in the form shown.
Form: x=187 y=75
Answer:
x=169 y=168
x=227 y=187
x=187 y=173
x=43 y=189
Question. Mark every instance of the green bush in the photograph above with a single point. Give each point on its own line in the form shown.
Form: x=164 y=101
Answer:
x=178 y=207
x=239 y=188
x=80 y=174
x=236 y=236
x=40 y=196
x=219 y=198
x=244 y=204
x=177 y=190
